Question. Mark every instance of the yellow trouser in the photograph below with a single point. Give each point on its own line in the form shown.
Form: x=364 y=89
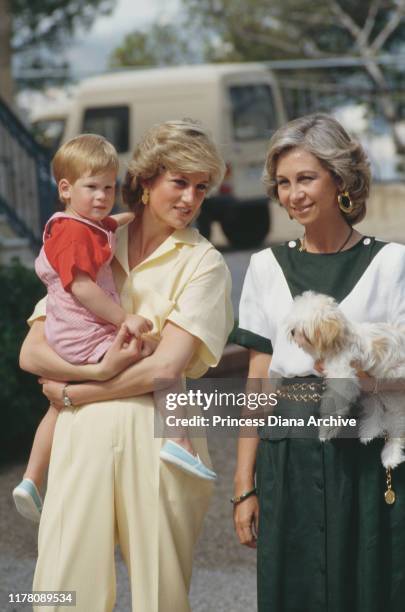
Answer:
x=107 y=484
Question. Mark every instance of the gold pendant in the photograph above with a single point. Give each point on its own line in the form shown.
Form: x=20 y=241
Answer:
x=389 y=496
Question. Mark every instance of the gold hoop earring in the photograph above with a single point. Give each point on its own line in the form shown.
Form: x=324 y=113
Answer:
x=145 y=197
x=345 y=203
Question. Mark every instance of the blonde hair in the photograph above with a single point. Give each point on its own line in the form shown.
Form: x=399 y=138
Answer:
x=178 y=146
x=86 y=154
x=329 y=142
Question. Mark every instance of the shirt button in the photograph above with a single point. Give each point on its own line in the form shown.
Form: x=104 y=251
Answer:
x=366 y=241
x=292 y=244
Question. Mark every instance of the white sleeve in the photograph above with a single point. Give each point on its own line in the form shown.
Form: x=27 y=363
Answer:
x=253 y=329
x=397 y=298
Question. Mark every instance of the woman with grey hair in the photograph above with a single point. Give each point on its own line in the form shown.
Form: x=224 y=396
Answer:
x=329 y=531
x=106 y=482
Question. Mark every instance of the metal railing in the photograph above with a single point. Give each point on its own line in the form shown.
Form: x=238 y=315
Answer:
x=27 y=193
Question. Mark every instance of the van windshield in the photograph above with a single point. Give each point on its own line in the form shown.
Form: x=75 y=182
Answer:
x=112 y=122
x=253 y=112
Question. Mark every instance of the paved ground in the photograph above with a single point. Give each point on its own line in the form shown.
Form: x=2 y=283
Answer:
x=223 y=575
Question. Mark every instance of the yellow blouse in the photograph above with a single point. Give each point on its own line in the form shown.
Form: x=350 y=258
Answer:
x=186 y=281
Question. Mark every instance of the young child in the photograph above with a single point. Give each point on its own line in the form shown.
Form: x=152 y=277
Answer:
x=83 y=309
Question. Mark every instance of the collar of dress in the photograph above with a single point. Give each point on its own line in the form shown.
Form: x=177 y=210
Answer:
x=188 y=236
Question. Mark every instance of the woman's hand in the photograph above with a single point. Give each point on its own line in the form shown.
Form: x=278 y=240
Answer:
x=367 y=382
x=53 y=391
x=149 y=346
x=319 y=366
x=124 y=352
x=246 y=521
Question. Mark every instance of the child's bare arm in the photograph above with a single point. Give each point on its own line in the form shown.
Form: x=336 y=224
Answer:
x=92 y=297
x=96 y=300
x=123 y=218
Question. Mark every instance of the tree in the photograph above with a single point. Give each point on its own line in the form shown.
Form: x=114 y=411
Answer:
x=161 y=45
x=6 y=81
x=259 y=30
x=35 y=29
x=279 y=29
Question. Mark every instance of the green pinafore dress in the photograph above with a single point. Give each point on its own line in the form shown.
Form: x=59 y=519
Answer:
x=328 y=541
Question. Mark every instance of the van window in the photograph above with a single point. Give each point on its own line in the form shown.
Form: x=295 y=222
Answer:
x=253 y=112
x=112 y=122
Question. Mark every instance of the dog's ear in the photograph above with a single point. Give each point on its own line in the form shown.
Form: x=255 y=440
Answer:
x=328 y=336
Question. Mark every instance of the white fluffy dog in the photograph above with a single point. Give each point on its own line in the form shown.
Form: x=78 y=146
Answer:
x=318 y=325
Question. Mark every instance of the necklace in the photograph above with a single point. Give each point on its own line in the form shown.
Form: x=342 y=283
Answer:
x=302 y=247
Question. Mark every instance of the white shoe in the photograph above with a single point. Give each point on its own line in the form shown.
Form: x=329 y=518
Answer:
x=28 y=500
x=192 y=464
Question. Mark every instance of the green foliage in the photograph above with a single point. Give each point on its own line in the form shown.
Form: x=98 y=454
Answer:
x=161 y=45
x=259 y=30
x=41 y=27
x=21 y=399
x=50 y=21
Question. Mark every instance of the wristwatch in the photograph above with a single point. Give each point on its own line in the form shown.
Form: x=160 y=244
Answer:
x=67 y=402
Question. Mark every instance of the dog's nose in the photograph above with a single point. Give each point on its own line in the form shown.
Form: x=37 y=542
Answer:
x=293 y=332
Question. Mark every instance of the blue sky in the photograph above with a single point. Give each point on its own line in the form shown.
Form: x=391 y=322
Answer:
x=90 y=49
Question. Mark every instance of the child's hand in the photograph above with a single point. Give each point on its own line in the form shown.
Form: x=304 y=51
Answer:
x=138 y=325
x=122 y=353
x=123 y=218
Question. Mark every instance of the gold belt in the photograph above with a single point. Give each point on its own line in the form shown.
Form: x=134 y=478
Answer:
x=302 y=392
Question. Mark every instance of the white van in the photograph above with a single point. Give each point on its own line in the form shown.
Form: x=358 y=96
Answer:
x=241 y=105
x=48 y=122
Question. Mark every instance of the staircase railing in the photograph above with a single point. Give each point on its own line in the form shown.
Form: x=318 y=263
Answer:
x=27 y=193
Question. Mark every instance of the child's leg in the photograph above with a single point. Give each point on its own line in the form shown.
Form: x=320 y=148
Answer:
x=176 y=410
x=178 y=449
x=41 y=448
x=26 y=495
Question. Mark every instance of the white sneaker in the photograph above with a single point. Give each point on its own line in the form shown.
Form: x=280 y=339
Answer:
x=192 y=464
x=28 y=500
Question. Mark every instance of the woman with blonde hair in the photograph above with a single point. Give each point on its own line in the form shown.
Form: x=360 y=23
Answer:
x=321 y=514
x=106 y=482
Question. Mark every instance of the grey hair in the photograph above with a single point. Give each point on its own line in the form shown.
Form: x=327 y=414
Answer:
x=328 y=141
